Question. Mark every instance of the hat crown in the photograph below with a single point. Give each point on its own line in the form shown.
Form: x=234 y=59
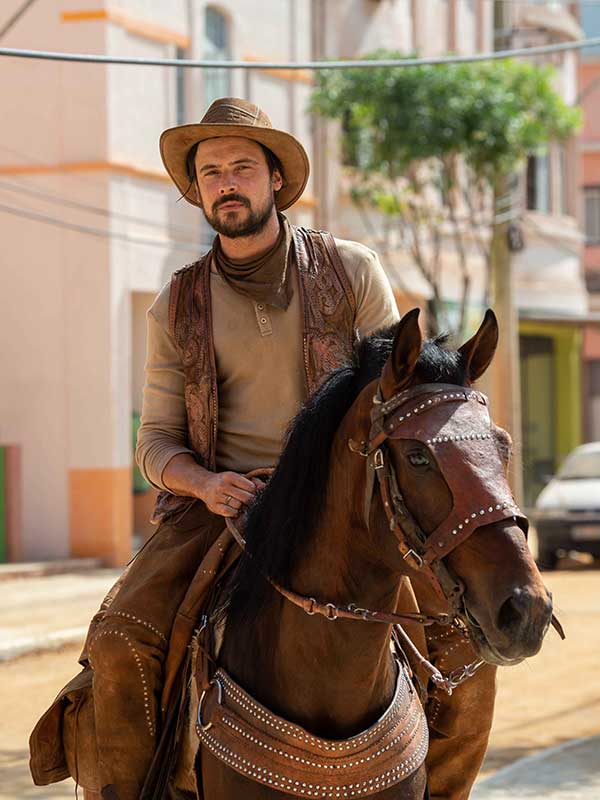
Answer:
x=235 y=111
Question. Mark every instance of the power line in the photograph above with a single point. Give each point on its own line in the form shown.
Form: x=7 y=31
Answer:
x=563 y=3
x=15 y=17
x=104 y=212
x=496 y=55
x=58 y=223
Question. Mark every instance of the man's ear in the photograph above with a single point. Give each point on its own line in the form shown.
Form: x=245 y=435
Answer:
x=276 y=180
x=400 y=366
x=478 y=352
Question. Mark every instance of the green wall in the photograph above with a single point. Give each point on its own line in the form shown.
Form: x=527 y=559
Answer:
x=3 y=533
x=567 y=340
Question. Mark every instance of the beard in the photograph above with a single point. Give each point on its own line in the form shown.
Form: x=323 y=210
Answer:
x=234 y=224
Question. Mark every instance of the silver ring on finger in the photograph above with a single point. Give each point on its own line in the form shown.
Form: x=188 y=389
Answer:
x=228 y=499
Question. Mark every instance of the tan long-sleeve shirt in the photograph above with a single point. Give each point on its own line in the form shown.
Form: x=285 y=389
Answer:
x=260 y=371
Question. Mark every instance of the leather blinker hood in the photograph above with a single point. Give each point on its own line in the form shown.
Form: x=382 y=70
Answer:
x=455 y=424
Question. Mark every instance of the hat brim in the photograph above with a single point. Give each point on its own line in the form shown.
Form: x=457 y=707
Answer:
x=175 y=144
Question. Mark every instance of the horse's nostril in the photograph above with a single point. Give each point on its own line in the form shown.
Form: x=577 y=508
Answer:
x=511 y=612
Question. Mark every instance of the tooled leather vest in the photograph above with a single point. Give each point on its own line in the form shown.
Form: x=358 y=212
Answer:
x=328 y=312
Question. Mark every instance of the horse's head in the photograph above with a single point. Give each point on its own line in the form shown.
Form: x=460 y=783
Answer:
x=442 y=469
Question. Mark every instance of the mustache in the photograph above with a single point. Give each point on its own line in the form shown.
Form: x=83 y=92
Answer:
x=230 y=197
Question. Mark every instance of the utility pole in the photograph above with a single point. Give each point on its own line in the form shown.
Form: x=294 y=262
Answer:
x=505 y=373
x=320 y=126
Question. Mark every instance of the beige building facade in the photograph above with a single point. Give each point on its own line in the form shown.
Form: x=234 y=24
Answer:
x=92 y=229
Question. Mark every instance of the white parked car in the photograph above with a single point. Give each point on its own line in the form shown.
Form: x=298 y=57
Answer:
x=567 y=510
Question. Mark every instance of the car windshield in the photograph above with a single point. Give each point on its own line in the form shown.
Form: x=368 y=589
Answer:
x=580 y=465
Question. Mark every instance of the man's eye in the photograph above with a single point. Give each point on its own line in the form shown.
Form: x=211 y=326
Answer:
x=418 y=459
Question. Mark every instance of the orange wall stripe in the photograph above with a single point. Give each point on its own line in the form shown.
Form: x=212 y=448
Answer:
x=133 y=25
x=83 y=16
x=290 y=75
x=85 y=166
x=101 y=514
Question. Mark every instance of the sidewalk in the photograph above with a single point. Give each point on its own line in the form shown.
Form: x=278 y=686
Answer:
x=570 y=771
x=48 y=611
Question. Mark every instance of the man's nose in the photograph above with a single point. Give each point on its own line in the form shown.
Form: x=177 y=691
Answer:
x=228 y=186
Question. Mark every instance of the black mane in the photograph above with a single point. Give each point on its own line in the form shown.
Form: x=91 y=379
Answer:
x=286 y=513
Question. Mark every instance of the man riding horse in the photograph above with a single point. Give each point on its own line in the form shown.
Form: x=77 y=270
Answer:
x=236 y=343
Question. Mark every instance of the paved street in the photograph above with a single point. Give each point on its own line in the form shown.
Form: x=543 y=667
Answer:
x=51 y=610
x=545 y=702
x=570 y=771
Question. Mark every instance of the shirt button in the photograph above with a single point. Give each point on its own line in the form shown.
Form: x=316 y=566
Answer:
x=263 y=320
x=260 y=307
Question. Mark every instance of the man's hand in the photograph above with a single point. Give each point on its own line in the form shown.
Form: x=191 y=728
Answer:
x=223 y=492
x=226 y=492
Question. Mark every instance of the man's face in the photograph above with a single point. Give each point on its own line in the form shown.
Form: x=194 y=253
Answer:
x=236 y=189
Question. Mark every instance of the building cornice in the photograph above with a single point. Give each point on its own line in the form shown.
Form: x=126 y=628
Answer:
x=555 y=19
x=554 y=227
x=135 y=25
x=589 y=146
x=291 y=75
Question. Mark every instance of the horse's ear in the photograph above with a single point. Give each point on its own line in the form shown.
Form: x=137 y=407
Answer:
x=400 y=366
x=479 y=351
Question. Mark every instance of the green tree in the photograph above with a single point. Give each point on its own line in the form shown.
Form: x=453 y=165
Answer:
x=431 y=147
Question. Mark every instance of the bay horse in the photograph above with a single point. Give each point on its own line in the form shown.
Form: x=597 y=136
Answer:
x=321 y=530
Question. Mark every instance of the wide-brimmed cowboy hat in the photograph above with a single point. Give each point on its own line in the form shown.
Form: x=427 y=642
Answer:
x=231 y=116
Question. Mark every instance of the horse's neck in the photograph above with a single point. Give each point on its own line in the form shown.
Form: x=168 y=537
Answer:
x=338 y=675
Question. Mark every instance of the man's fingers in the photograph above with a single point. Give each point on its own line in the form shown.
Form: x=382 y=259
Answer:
x=232 y=502
x=238 y=494
x=241 y=482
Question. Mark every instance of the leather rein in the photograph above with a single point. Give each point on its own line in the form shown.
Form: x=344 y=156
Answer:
x=413 y=543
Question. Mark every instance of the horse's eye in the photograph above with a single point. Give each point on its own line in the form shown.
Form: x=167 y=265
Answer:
x=418 y=459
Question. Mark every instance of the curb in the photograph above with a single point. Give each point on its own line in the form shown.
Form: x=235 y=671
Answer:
x=39 y=569
x=501 y=784
x=25 y=645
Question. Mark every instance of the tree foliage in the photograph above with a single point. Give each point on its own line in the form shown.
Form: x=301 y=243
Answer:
x=450 y=130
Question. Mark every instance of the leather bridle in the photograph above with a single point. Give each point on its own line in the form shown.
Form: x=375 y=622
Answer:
x=406 y=415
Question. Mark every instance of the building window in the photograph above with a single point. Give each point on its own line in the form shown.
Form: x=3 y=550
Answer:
x=592 y=214
x=589 y=19
x=180 y=106
x=538 y=183
x=562 y=175
x=216 y=48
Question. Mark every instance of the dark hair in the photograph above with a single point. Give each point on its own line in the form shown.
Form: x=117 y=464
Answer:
x=273 y=162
